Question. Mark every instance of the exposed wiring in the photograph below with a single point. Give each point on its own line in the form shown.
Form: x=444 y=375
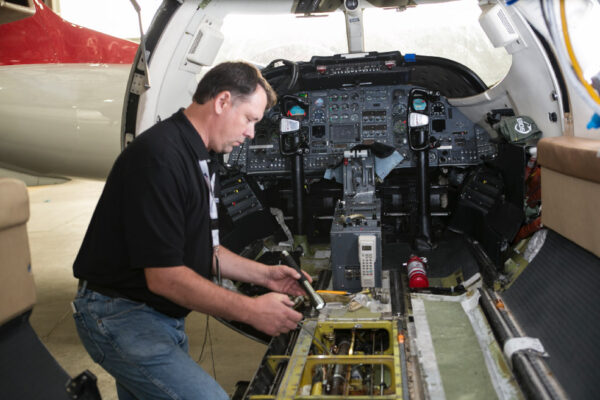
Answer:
x=314 y=338
x=242 y=148
x=208 y=337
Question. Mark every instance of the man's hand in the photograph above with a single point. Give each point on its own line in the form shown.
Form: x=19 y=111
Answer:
x=284 y=279
x=273 y=314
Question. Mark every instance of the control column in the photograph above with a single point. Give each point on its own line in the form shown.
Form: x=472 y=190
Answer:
x=418 y=139
x=293 y=144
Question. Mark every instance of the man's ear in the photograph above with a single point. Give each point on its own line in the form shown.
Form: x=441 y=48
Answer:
x=222 y=101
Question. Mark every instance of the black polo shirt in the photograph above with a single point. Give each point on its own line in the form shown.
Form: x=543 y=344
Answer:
x=153 y=212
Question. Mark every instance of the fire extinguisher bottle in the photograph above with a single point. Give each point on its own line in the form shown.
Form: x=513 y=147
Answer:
x=417 y=276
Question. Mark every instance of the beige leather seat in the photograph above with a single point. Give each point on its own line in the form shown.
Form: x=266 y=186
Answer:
x=17 y=290
x=571 y=188
x=27 y=369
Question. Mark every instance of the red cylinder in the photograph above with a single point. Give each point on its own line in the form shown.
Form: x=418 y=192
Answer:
x=417 y=276
x=530 y=165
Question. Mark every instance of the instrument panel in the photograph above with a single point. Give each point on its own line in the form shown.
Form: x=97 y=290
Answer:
x=335 y=120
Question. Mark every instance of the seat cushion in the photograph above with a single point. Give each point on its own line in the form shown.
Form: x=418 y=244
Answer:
x=17 y=290
x=572 y=156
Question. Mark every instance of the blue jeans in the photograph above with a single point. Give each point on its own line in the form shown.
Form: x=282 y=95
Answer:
x=144 y=350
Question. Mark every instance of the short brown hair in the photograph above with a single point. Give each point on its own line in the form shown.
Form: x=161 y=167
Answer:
x=240 y=78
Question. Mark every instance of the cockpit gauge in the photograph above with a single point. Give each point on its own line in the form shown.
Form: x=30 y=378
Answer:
x=319 y=102
x=419 y=104
x=399 y=109
x=319 y=115
x=296 y=112
x=399 y=127
x=438 y=109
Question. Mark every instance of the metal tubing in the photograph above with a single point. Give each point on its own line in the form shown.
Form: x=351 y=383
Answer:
x=298 y=191
x=403 y=364
x=382 y=373
x=397 y=293
x=372 y=381
x=528 y=369
x=423 y=194
x=338 y=371
x=349 y=367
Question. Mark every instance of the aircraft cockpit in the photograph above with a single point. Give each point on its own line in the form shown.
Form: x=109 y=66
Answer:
x=419 y=147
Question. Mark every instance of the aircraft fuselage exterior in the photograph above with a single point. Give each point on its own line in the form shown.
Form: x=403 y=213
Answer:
x=61 y=96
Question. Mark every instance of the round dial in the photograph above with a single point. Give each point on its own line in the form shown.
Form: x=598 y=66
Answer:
x=319 y=115
x=438 y=109
x=399 y=109
x=400 y=127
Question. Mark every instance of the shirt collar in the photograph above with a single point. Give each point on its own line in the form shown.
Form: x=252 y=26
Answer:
x=192 y=136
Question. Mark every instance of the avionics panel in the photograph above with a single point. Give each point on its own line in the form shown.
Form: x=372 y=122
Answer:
x=335 y=120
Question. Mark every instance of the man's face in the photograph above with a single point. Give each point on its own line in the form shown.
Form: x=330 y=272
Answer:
x=238 y=120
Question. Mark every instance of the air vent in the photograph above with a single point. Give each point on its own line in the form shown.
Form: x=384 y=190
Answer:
x=499 y=28
x=504 y=19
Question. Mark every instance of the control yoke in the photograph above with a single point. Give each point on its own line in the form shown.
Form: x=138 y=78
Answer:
x=419 y=142
x=293 y=143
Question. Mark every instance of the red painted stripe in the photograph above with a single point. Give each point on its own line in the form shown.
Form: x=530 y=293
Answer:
x=45 y=38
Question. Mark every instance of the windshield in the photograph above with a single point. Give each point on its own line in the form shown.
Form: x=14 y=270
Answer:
x=448 y=30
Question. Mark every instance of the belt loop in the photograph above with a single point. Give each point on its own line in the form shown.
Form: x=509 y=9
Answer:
x=81 y=286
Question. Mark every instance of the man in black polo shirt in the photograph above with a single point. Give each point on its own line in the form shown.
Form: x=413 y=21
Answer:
x=152 y=248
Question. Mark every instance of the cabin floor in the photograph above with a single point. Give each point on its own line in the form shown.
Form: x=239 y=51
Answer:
x=59 y=218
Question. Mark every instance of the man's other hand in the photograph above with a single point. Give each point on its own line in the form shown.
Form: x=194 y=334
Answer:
x=273 y=314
